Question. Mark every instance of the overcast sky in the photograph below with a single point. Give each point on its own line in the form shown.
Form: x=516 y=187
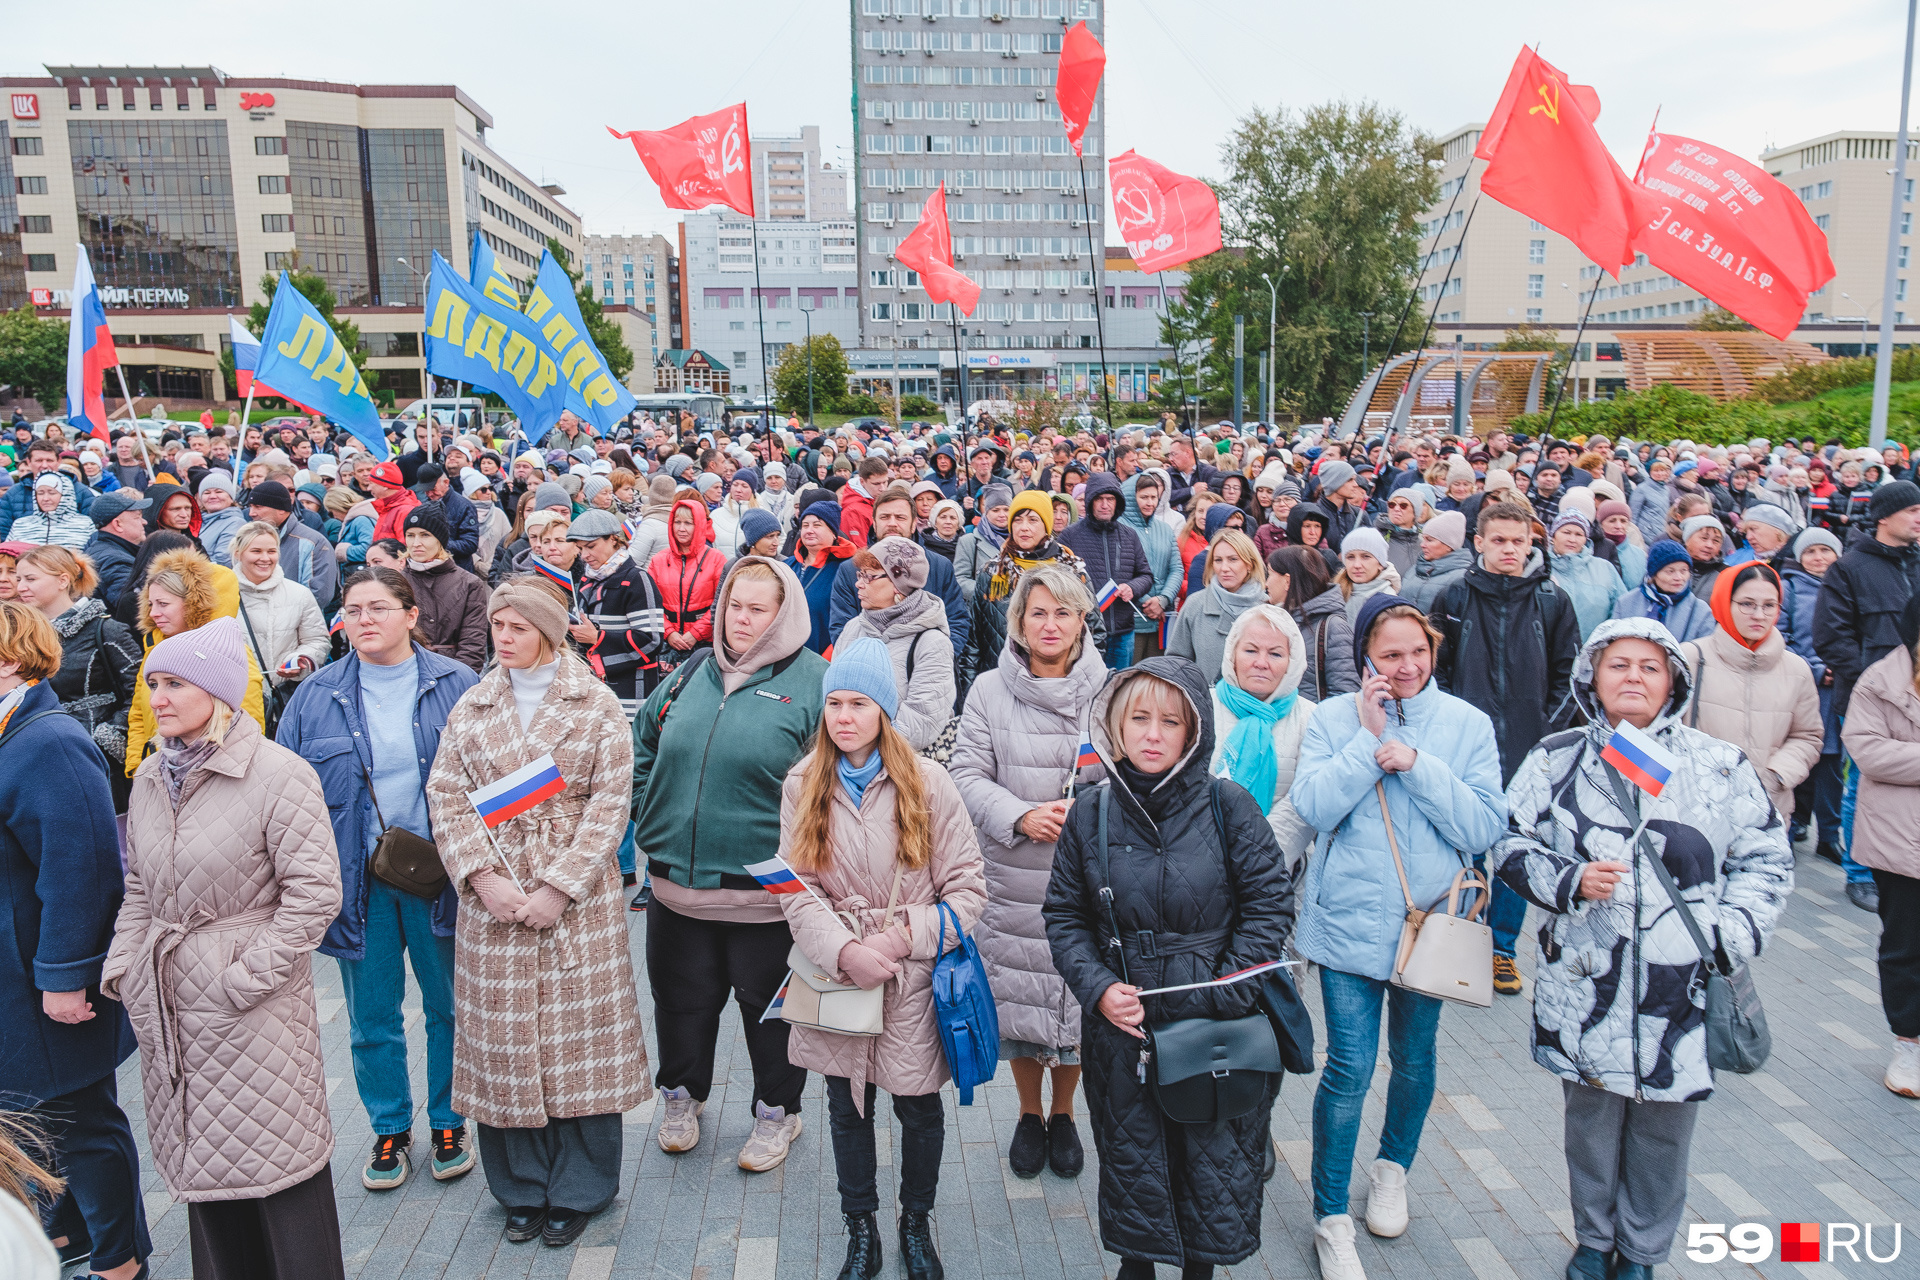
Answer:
x=1743 y=74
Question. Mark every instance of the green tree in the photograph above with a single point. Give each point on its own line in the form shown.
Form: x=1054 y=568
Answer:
x=1531 y=337
x=33 y=357
x=604 y=332
x=1718 y=320
x=1325 y=202
x=829 y=374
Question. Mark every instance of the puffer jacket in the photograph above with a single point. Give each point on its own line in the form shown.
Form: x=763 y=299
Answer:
x=1687 y=618
x=1199 y=633
x=285 y=623
x=1446 y=809
x=1429 y=578
x=63 y=526
x=1762 y=701
x=1214 y=897
x=1591 y=583
x=1018 y=748
x=1883 y=737
x=688 y=583
x=1648 y=504
x=212 y=955
x=1799 y=604
x=622 y=602
x=217 y=529
x=970 y=559
x=1616 y=1001
x=905 y=1059
x=1161 y=544
x=113 y=560
x=1327 y=636
x=1860 y=602
x=453 y=611
x=915 y=633
x=99 y=663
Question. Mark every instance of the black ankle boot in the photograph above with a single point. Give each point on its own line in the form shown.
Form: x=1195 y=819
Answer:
x=916 y=1247
x=1135 y=1269
x=1064 y=1153
x=863 y=1247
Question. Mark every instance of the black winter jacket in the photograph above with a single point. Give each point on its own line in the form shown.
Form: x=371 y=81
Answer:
x=1111 y=552
x=1857 y=622
x=625 y=604
x=987 y=615
x=1172 y=1193
x=112 y=558
x=99 y=664
x=1509 y=650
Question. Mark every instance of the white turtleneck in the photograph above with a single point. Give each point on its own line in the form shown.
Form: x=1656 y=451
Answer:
x=529 y=687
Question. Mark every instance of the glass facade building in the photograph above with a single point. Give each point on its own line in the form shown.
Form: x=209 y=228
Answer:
x=155 y=205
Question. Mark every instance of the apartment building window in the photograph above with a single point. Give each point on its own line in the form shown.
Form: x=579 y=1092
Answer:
x=1535 y=315
x=276 y=222
x=269 y=146
x=28 y=147
x=30 y=186
x=1536 y=251
x=1900 y=290
x=42 y=225
x=41 y=262
x=1820 y=220
x=273 y=184
x=279 y=261
x=1816 y=190
x=1536 y=286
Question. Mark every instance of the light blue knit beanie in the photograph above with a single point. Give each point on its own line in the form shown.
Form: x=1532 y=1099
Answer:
x=865 y=667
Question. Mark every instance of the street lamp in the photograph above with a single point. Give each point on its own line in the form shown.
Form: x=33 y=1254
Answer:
x=806 y=314
x=1273 y=313
x=1366 y=350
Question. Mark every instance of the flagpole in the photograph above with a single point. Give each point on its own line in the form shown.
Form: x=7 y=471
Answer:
x=1573 y=355
x=1099 y=323
x=1178 y=377
x=1406 y=310
x=1406 y=392
x=760 y=311
x=497 y=849
x=146 y=455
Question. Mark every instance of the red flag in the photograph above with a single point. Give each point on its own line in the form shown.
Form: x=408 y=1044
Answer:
x=1082 y=60
x=1166 y=218
x=1546 y=160
x=1731 y=230
x=928 y=249
x=699 y=162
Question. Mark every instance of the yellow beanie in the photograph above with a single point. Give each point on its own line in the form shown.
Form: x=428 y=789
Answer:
x=1037 y=501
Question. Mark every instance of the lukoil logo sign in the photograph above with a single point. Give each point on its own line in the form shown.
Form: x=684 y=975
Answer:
x=1799 y=1242
x=26 y=106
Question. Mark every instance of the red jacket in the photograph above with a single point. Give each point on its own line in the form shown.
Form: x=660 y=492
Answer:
x=392 y=520
x=856 y=515
x=689 y=581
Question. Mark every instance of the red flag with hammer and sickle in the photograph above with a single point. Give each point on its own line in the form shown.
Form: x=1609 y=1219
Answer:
x=1546 y=160
x=1166 y=218
x=1082 y=62
x=699 y=162
x=929 y=250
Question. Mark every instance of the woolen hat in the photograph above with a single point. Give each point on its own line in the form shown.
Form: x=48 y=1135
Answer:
x=755 y=525
x=1666 y=552
x=217 y=479
x=1694 y=524
x=472 y=481
x=828 y=513
x=273 y=495
x=388 y=473
x=109 y=506
x=213 y=657
x=1815 y=536
x=1610 y=508
x=594 y=523
x=661 y=488
x=1449 y=527
x=1764 y=513
x=1334 y=475
x=862 y=666
x=996 y=495
x=551 y=495
x=1567 y=517
x=1889 y=498
x=1361 y=539
x=431 y=518
x=593 y=486
x=904 y=561
x=536 y=600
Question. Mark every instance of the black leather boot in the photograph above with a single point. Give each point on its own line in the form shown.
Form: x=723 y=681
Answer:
x=863 y=1247
x=916 y=1247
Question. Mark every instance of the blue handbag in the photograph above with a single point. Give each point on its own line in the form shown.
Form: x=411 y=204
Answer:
x=963 y=1006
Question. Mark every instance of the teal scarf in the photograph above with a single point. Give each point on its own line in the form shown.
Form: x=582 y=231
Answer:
x=1248 y=753
x=856 y=780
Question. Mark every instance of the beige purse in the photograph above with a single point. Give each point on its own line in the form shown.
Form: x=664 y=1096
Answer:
x=812 y=999
x=1443 y=954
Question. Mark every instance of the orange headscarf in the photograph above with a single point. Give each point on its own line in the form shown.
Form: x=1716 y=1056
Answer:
x=1721 y=600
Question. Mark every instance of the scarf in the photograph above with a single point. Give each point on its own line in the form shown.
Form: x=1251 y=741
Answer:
x=988 y=534
x=882 y=620
x=856 y=780
x=1660 y=600
x=1000 y=584
x=179 y=759
x=1248 y=751
x=11 y=703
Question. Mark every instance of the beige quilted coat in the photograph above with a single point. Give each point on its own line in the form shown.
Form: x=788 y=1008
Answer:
x=1761 y=700
x=226 y=901
x=905 y=1059
x=546 y=1021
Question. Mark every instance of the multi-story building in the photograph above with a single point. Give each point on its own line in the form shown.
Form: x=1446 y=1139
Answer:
x=806 y=283
x=791 y=183
x=642 y=274
x=188 y=186
x=961 y=92
x=1843 y=180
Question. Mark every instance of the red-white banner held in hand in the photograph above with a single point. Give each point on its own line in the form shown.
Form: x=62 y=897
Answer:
x=699 y=162
x=928 y=249
x=1082 y=62
x=1166 y=218
x=1725 y=226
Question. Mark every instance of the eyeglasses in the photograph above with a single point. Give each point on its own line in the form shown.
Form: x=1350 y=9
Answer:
x=377 y=612
x=864 y=576
x=1756 y=607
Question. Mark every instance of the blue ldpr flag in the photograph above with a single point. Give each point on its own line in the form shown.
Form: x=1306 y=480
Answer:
x=593 y=394
x=489 y=277
x=486 y=344
x=302 y=358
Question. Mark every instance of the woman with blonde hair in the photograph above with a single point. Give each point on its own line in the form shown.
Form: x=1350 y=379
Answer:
x=1235 y=584
x=281 y=619
x=182 y=592
x=100 y=659
x=864 y=821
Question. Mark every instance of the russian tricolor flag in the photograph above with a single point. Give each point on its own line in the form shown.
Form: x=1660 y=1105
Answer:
x=1644 y=762
x=1087 y=758
x=246 y=356
x=518 y=792
x=553 y=573
x=1106 y=595
x=775 y=876
x=90 y=352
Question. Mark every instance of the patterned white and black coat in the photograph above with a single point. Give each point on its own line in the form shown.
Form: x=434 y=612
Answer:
x=1720 y=838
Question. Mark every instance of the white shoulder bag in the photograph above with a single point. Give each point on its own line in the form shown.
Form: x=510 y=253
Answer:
x=1446 y=955
x=812 y=999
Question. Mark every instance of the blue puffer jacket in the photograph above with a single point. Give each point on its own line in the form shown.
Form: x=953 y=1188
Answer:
x=323 y=725
x=1591 y=583
x=1446 y=809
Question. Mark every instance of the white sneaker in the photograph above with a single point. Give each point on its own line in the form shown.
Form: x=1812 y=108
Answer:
x=773 y=1132
x=1903 y=1073
x=680 y=1127
x=1333 y=1242
x=1387 y=1200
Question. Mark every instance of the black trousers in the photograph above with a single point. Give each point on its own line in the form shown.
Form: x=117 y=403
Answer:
x=290 y=1235
x=565 y=1164
x=94 y=1152
x=692 y=967
x=1899 y=951
x=922 y=1116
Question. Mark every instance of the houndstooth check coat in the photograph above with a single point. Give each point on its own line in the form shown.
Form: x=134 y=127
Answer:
x=546 y=1022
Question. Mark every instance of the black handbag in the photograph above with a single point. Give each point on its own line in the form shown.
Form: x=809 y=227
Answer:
x=1199 y=1070
x=408 y=862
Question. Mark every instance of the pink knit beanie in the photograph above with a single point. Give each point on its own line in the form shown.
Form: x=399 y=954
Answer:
x=213 y=657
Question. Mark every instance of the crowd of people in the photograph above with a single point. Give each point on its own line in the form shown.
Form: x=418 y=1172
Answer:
x=466 y=708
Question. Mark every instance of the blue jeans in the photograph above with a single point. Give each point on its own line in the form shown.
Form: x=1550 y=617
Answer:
x=626 y=852
x=1117 y=649
x=398 y=922
x=1856 y=874
x=1505 y=914
x=1352 y=1007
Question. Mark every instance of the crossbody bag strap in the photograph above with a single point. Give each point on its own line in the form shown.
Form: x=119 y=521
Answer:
x=38 y=715
x=1102 y=865
x=1699 y=662
x=1622 y=798
x=265 y=675
x=378 y=816
x=1393 y=843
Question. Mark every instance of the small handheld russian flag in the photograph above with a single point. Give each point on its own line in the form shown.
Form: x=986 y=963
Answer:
x=775 y=876
x=553 y=573
x=1106 y=595
x=778 y=1002
x=1641 y=760
x=518 y=792
x=1087 y=758
x=338 y=625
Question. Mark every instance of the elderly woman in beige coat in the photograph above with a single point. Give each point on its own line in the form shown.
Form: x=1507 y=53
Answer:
x=548 y=1049
x=881 y=836
x=1750 y=689
x=232 y=881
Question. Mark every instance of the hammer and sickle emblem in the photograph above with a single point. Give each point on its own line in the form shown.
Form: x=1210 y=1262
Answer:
x=1549 y=101
x=730 y=159
x=1135 y=204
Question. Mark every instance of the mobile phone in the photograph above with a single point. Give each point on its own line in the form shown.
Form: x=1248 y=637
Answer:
x=1373 y=668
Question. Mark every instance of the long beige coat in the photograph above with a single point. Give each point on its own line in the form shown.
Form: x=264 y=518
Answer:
x=546 y=1021
x=226 y=901
x=905 y=1059
x=1761 y=700
x=1882 y=734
